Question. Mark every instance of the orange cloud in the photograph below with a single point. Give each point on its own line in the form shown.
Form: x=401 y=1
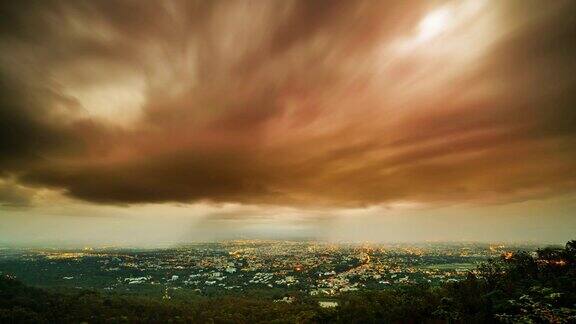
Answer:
x=292 y=103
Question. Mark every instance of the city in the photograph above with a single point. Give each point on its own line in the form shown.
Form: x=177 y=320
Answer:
x=275 y=268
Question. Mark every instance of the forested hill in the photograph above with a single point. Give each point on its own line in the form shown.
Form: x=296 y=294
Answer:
x=517 y=287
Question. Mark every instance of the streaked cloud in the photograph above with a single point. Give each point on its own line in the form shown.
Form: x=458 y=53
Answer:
x=290 y=103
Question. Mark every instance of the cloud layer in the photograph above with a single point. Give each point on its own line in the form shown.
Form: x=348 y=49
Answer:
x=297 y=103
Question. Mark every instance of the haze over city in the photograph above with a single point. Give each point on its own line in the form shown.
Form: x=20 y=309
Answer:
x=145 y=123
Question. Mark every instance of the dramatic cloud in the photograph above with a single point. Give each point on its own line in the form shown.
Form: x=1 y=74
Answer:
x=13 y=195
x=294 y=103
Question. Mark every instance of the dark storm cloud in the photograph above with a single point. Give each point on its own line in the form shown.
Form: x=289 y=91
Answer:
x=13 y=195
x=293 y=102
x=25 y=130
x=194 y=176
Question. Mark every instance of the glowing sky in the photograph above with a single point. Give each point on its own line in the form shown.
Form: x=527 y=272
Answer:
x=152 y=121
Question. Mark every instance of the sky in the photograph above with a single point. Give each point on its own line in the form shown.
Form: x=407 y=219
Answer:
x=161 y=122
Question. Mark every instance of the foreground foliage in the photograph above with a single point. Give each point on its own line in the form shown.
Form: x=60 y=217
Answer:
x=516 y=288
